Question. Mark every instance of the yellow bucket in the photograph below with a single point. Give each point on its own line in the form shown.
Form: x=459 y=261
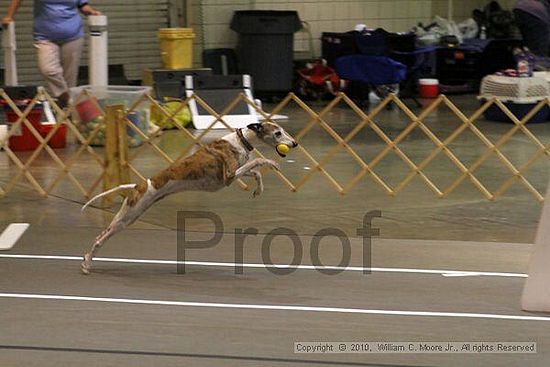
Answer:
x=176 y=47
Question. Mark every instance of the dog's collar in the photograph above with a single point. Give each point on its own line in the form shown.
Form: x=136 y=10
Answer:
x=243 y=140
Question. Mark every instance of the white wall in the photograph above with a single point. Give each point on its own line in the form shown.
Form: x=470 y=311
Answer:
x=323 y=16
x=342 y=16
x=462 y=9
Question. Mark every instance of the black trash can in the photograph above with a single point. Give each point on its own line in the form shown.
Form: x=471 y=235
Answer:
x=222 y=61
x=265 y=48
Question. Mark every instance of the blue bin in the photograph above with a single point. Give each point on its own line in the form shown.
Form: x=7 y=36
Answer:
x=494 y=113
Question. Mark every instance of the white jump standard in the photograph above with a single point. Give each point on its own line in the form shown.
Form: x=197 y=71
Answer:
x=213 y=167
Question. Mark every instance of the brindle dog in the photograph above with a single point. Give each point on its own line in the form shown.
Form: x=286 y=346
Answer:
x=211 y=168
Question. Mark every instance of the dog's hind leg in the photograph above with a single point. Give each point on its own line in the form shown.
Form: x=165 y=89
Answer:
x=117 y=224
x=129 y=212
x=113 y=228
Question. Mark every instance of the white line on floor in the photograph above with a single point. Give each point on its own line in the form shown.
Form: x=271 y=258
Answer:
x=446 y=273
x=272 y=307
x=10 y=236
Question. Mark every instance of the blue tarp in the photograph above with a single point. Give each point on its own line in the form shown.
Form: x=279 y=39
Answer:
x=375 y=70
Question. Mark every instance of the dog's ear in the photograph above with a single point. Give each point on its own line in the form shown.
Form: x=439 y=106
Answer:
x=255 y=127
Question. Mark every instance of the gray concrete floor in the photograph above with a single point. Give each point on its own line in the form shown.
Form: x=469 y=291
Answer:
x=463 y=232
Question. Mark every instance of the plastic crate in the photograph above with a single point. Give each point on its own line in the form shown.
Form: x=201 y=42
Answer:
x=543 y=74
x=458 y=66
x=88 y=118
x=519 y=95
x=23 y=139
x=512 y=89
x=113 y=94
x=59 y=139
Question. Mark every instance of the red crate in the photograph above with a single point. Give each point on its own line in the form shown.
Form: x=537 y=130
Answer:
x=23 y=139
x=59 y=139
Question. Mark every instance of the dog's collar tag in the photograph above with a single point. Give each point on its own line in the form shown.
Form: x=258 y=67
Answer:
x=243 y=140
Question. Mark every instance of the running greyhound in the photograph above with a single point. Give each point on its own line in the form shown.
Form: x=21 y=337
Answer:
x=211 y=168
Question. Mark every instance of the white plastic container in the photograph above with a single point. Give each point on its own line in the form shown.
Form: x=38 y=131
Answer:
x=112 y=95
x=512 y=89
x=519 y=95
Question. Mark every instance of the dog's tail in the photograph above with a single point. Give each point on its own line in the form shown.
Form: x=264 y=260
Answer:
x=114 y=189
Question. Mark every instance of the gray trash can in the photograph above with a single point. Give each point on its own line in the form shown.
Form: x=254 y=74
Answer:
x=265 y=47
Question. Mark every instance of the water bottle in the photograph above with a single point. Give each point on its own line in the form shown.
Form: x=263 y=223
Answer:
x=483 y=33
x=530 y=60
x=522 y=63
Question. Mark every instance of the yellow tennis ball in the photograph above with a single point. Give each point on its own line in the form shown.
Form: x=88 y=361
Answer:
x=283 y=148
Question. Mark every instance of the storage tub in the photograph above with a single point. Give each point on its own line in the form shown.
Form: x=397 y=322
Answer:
x=519 y=95
x=494 y=113
x=89 y=116
x=23 y=139
x=59 y=139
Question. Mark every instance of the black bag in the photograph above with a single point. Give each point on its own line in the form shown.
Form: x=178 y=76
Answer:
x=498 y=22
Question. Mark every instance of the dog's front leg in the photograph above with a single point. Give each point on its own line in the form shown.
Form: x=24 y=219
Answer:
x=259 y=181
x=253 y=164
x=249 y=170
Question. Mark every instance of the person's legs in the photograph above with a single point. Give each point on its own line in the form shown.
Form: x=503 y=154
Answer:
x=534 y=31
x=71 y=53
x=49 y=64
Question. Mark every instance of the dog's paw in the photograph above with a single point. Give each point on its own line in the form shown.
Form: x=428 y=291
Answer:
x=257 y=192
x=274 y=165
x=85 y=265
